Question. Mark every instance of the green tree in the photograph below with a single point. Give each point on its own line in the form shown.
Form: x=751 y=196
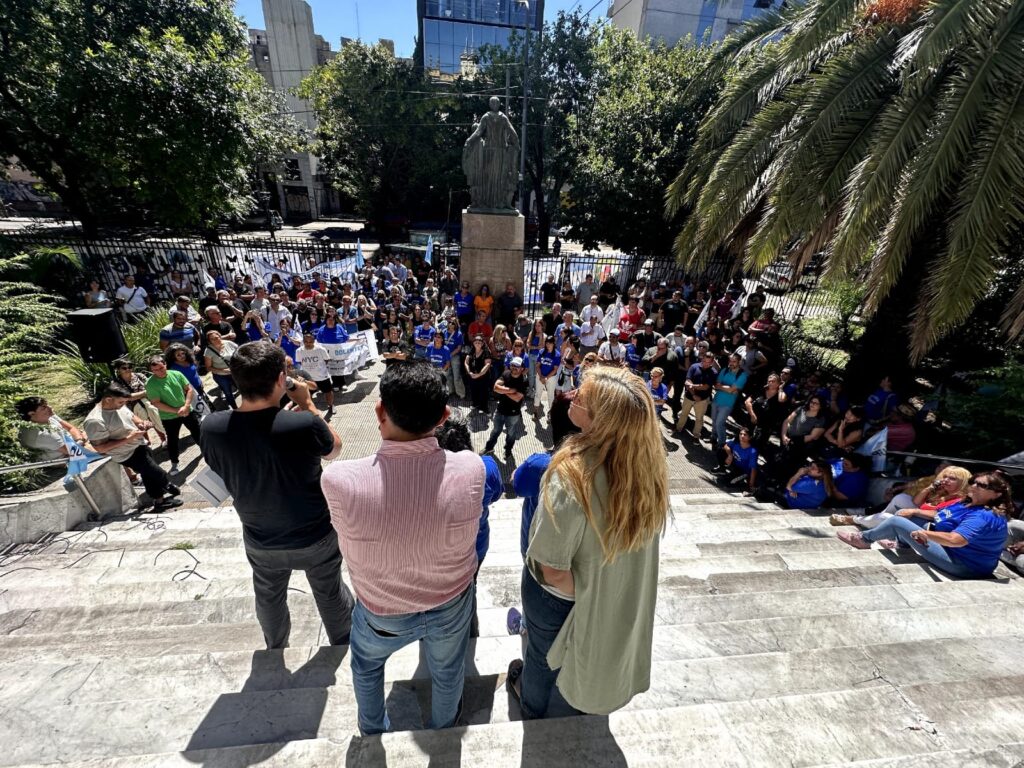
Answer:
x=390 y=138
x=635 y=139
x=889 y=128
x=136 y=109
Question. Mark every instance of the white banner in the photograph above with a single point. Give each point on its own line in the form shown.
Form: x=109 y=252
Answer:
x=342 y=268
x=348 y=357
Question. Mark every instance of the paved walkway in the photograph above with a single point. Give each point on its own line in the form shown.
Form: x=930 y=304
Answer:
x=355 y=421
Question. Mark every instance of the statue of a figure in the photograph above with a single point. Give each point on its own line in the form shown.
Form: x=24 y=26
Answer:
x=490 y=159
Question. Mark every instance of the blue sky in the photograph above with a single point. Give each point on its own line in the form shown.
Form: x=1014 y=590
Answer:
x=394 y=19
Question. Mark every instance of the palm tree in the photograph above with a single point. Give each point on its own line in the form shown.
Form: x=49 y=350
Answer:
x=888 y=135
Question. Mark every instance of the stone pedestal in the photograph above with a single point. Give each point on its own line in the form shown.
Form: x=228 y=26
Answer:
x=492 y=250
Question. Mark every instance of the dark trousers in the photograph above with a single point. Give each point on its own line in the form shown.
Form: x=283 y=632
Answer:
x=544 y=615
x=173 y=429
x=479 y=389
x=153 y=477
x=227 y=388
x=271 y=570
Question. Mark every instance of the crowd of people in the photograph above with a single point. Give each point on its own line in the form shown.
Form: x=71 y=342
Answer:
x=608 y=368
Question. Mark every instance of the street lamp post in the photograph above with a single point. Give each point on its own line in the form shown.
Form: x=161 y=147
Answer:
x=522 y=138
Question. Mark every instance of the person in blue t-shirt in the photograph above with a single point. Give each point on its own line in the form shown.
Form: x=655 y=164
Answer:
x=967 y=538
x=348 y=315
x=526 y=483
x=850 y=475
x=548 y=363
x=882 y=402
x=454 y=436
x=423 y=337
x=633 y=356
x=730 y=383
x=438 y=354
x=738 y=459
x=658 y=389
x=810 y=486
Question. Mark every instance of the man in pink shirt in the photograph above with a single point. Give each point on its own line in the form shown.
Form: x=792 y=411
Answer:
x=407 y=520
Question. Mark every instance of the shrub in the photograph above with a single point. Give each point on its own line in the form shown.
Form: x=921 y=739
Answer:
x=987 y=421
x=30 y=321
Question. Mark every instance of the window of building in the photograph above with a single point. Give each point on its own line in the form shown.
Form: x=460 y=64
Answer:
x=292 y=172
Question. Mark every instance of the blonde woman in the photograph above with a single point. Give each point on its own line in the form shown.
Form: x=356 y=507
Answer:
x=500 y=344
x=949 y=487
x=591 y=575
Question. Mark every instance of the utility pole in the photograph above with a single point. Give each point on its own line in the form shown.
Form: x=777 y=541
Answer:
x=526 y=90
x=508 y=85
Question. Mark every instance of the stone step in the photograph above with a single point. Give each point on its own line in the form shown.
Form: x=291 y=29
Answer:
x=793 y=730
x=674 y=607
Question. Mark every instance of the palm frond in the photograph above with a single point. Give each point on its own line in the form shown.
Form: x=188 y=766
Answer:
x=943 y=25
x=898 y=131
x=931 y=173
x=982 y=217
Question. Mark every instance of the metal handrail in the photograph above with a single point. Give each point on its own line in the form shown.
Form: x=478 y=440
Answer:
x=959 y=460
x=77 y=479
x=33 y=465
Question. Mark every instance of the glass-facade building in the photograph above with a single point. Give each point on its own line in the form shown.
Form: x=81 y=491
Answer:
x=451 y=28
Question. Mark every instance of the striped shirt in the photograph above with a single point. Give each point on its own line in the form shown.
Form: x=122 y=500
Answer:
x=407 y=520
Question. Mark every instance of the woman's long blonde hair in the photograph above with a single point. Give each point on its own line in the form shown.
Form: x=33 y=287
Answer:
x=624 y=439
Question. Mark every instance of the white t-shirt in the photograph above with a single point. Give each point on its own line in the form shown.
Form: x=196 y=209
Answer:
x=47 y=439
x=314 y=361
x=103 y=425
x=591 y=311
x=134 y=298
x=592 y=335
x=273 y=319
x=608 y=352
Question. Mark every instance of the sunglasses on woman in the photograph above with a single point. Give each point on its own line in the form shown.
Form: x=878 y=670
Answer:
x=983 y=485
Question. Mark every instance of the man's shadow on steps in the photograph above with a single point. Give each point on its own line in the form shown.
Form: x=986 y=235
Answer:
x=291 y=708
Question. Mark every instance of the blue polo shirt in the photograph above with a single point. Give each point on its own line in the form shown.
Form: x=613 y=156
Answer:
x=810 y=493
x=335 y=335
x=493 y=488
x=348 y=319
x=548 y=362
x=729 y=379
x=880 y=405
x=424 y=334
x=985 y=532
x=743 y=458
x=438 y=356
x=464 y=305
x=853 y=485
x=659 y=392
x=289 y=345
x=184 y=335
x=526 y=484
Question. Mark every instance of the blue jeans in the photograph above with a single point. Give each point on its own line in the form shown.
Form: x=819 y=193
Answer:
x=719 y=415
x=544 y=614
x=507 y=422
x=900 y=528
x=227 y=388
x=445 y=634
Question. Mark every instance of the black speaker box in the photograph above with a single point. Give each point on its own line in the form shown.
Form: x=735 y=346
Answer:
x=97 y=334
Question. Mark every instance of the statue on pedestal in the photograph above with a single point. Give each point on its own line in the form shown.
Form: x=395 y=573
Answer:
x=490 y=159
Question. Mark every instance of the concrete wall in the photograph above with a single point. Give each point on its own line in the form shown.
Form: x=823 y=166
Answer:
x=492 y=250
x=25 y=518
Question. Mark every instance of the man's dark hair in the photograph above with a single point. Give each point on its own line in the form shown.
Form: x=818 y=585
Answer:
x=414 y=394
x=454 y=435
x=113 y=389
x=27 y=405
x=256 y=367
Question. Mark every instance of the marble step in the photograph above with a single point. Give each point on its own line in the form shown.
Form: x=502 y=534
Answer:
x=671 y=641
x=801 y=730
x=191 y=677
x=674 y=606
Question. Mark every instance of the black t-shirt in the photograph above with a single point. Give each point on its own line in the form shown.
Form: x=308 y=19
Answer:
x=549 y=293
x=674 y=312
x=507 y=307
x=391 y=347
x=270 y=462
x=506 y=404
x=222 y=327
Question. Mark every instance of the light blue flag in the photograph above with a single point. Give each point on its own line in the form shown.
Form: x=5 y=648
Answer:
x=77 y=458
x=360 y=263
x=429 y=255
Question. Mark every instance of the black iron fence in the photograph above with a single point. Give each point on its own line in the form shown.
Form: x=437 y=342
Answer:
x=193 y=258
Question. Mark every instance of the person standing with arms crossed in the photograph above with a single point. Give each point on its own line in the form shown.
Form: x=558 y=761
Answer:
x=407 y=519
x=269 y=459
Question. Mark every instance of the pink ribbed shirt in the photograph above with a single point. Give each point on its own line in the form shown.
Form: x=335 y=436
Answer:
x=407 y=519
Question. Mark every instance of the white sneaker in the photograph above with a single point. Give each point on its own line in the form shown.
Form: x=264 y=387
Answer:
x=174 y=467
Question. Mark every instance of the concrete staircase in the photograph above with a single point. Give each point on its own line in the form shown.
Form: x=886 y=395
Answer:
x=134 y=644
